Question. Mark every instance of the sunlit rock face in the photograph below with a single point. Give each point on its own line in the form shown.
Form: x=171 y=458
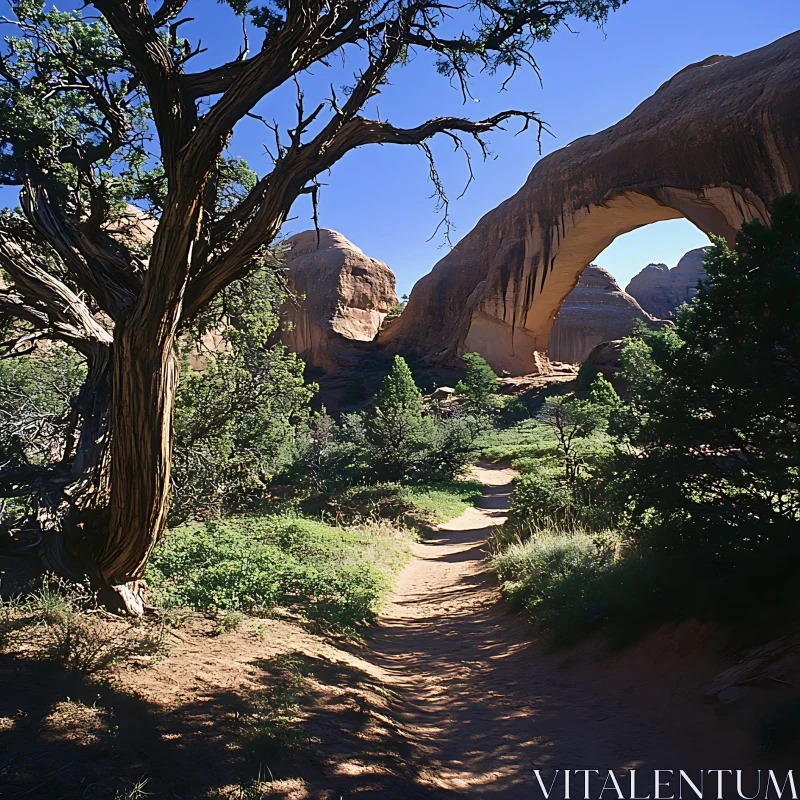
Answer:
x=595 y=311
x=344 y=297
x=660 y=290
x=716 y=144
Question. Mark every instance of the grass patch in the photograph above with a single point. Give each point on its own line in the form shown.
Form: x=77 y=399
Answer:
x=554 y=576
x=526 y=439
x=62 y=623
x=442 y=501
x=410 y=505
x=271 y=718
x=573 y=582
x=336 y=576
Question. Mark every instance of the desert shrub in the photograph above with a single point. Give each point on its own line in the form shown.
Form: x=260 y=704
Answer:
x=554 y=577
x=515 y=409
x=334 y=575
x=230 y=621
x=326 y=458
x=543 y=495
x=270 y=718
x=564 y=459
x=450 y=448
x=236 y=412
x=395 y=441
x=61 y=622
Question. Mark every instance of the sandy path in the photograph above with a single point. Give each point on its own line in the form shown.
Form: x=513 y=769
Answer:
x=488 y=704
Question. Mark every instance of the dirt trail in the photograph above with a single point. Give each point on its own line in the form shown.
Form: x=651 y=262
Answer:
x=487 y=704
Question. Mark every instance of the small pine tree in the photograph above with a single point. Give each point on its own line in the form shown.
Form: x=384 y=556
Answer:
x=479 y=384
x=396 y=430
x=399 y=393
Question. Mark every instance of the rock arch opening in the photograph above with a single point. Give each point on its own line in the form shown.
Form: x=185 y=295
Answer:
x=643 y=276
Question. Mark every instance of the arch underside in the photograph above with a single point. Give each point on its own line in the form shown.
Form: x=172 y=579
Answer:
x=511 y=328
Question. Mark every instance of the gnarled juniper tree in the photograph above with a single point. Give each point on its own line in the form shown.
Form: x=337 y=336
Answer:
x=87 y=105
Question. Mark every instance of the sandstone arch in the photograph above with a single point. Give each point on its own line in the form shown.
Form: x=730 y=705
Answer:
x=715 y=144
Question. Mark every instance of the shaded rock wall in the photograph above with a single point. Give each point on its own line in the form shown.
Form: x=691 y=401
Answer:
x=344 y=297
x=660 y=290
x=595 y=311
x=715 y=144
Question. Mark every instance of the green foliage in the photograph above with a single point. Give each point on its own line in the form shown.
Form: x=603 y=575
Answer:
x=47 y=111
x=325 y=459
x=334 y=575
x=574 y=421
x=396 y=310
x=399 y=395
x=230 y=621
x=394 y=441
x=554 y=577
x=425 y=504
x=700 y=464
x=586 y=375
x=235 y=415
x=35 y=395
x=714 y=412
x=479 y=384
x=398 y=441
x=271 y=717
x=539 y=494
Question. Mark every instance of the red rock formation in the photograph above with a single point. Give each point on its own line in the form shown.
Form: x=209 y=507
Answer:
x=660 y=290
x=345 y=296
x=595 y=311
x=715 y=144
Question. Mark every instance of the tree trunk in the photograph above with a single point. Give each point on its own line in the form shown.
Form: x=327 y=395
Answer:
x=143 y=400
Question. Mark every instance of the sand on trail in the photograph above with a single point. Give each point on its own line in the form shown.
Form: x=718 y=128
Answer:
x=486 y=703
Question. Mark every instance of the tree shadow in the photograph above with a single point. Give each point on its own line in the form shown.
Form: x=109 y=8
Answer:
x=331 y=727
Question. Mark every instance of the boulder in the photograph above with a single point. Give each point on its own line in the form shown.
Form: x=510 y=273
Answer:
x=595 y=311
x=343 y=297
x=660 y=290
x=605 y=357
x=715 y=144
x=443 y=393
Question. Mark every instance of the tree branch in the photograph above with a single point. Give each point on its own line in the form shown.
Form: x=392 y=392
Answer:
x=43 y=301
x=136 y=28
x=99 y=264
x=274 y=195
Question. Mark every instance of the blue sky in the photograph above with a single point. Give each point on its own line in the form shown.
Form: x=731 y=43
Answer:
x=379 y=197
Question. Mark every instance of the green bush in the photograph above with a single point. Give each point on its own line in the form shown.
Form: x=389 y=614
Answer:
x=333 y=575
x=711 y=473
x=539 y=494
x=396 y=441
x=554 y=576
x=235 y=415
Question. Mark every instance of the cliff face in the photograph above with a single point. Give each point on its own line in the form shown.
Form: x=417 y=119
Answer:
x=345 y=296
x=595 y=311
x=715 y=144
x=660 y=290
